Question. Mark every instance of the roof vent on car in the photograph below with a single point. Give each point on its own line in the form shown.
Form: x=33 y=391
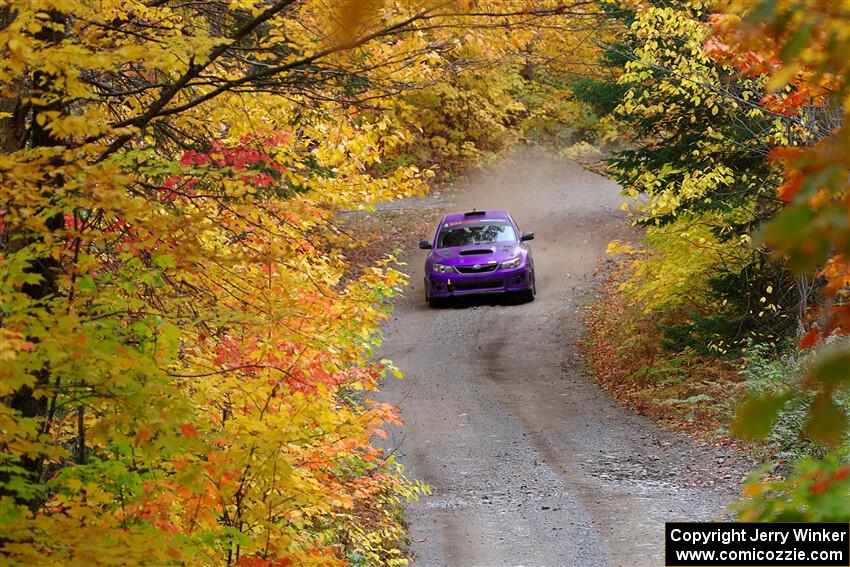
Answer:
x=475 y=214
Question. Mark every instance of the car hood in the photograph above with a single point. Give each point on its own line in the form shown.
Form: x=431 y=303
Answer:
x=477 y=254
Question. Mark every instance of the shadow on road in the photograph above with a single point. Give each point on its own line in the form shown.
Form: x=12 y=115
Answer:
x=492 y=300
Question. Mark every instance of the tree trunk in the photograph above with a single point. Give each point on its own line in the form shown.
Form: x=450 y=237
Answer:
x=48 y=268
x=11 y=127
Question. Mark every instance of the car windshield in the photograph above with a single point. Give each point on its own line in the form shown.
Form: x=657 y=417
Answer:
x=471 y=232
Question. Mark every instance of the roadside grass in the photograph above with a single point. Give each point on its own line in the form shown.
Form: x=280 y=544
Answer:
x=371 y=235
x=766 y=373
x=692 y=393
x=684 y=391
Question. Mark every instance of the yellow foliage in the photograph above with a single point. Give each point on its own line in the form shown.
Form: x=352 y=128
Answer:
x=186 y=355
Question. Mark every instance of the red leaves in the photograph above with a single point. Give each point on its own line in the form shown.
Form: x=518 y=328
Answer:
x=279 y=138
x=240 y=157
x=259 y=180
x=824 y=482
x=143 y=436
x=725 y=46
x=786 y=104
x=193 y=157
x=166 y=525
x=749 y=63
x=810 y=338
x=819 y=486
x=188 y=430
x=256 y=561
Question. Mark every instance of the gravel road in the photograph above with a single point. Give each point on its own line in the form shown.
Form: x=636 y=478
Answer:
x=529 y=461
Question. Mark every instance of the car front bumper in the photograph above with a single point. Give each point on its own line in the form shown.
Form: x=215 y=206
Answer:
x=499 y=281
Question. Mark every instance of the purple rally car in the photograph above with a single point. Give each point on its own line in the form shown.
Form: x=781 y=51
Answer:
x=478 y=252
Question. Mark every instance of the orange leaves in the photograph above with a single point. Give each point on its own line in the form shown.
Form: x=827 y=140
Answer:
x=790 y=187
x=807 y=51
x=816 y=223
x=837 y=273
x=796 y=52
x=354 y=14
x=727 y=45
x=188 y=430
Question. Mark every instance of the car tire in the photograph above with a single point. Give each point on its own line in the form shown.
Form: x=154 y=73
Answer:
x=527 y=296
x=435 y=302
x=432 y=302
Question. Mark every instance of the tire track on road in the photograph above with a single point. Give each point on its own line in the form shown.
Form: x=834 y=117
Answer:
x=529 y=461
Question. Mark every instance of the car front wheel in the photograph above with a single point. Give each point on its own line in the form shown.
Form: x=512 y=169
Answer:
x=527 y=296
x=432 y=302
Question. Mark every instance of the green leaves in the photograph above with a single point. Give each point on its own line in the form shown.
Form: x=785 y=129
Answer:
x=778 y=69
x=829 y=373
x=164 y=261
x=86 y=284
x=795 y=219
x=827 y=420
x=815 y=491
x=831 y=370
x=756 y=416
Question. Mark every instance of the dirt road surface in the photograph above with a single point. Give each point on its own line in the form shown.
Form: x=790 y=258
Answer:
x=529 y=461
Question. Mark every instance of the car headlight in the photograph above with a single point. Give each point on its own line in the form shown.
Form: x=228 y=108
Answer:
x=441 y=269
x=512 y=263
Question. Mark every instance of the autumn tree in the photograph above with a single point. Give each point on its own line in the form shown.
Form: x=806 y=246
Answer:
x=740 y=174
x=186 y=360
x=701 y=180
x=799 y=47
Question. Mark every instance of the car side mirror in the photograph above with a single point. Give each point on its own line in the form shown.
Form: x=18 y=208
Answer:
x=424 y=245
x=527 y=236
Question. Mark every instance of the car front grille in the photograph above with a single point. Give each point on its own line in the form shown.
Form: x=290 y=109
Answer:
x=480 y=269
x=481 y=284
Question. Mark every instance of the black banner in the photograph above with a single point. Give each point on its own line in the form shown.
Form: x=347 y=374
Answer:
x=745 y=544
